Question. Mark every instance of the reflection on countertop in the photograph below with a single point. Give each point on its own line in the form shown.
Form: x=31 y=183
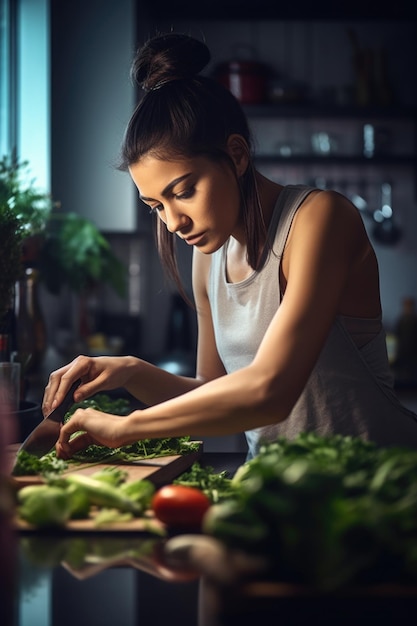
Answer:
x=102 y=579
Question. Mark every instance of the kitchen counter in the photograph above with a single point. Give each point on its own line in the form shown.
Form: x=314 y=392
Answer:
x=46 y=590
x=50 y=592
x=53 y=590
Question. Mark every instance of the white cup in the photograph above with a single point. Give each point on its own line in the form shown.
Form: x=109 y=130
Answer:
x=10 y=385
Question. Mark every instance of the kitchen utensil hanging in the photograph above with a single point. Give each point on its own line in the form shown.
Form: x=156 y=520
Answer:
x=385 y=230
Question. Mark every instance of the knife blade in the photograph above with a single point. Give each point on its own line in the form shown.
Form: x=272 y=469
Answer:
x=45 y=435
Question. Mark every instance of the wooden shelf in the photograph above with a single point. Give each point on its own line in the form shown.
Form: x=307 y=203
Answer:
x=336 y=159
x=306 y=110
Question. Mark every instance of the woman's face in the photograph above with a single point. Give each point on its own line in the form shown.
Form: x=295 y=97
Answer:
x=197 y=199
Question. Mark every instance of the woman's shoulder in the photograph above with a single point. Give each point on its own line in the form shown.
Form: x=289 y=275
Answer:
x=327 y=215
x=331 y=204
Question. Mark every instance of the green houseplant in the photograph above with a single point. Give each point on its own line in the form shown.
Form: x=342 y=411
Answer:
x=67 y=248
x=10 y=259
x=42 y=243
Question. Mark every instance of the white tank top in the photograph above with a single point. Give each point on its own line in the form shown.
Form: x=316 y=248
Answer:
x=350 y=389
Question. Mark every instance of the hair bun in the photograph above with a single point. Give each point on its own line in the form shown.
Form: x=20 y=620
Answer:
x=168 y=57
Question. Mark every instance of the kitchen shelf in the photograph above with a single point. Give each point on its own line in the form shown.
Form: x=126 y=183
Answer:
x=336 y=159
x=402 y=155
x=267 y=10
x=306 y=110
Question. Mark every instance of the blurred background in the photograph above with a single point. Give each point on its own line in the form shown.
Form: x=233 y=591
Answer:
x=331 y=97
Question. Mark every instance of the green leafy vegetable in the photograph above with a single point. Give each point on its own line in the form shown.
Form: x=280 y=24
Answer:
x=101 y=493
x=75 y=496
x=325 y=511
x=45 y=505
x=111 y=475
x=27 y=464
x=101 y=402
x=144 y=449
x=140 y=491
x=80 y=502
x=216 y=486
x=111 y=516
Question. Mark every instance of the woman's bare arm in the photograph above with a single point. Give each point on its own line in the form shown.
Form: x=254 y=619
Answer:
x=145 y=381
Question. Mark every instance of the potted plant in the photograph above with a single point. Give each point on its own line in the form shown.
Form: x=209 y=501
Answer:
x=69 y=249
x=48 y=245
x=10 y=272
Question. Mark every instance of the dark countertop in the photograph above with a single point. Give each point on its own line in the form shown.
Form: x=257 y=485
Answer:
x=47 y=592
x=52 y=587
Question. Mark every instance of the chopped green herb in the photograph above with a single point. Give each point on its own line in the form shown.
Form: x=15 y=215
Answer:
x=216 y=486
x=144 y=449
x=30 y=465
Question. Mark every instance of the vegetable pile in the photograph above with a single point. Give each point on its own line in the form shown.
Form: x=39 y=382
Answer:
x=74 y=496
x=105 y=496
x=324 y=511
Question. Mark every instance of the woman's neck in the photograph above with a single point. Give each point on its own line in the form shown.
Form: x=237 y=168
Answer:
x=268 y=195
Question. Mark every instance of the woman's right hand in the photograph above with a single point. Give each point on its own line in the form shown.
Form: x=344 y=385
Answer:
x=96 y=373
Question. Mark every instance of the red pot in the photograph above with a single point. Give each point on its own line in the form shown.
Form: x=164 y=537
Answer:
x=247 y=80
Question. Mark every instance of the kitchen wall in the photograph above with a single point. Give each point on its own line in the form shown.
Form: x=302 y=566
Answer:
x=92 y=46
x=91 y=100
x=92 y=97
x=318 y=56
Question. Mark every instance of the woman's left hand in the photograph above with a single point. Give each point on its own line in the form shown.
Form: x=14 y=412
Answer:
x=95 y=427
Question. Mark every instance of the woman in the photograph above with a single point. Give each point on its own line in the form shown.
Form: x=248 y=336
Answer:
x=285 y=283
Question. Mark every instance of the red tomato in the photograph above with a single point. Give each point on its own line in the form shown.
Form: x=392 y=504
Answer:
x=180 y=506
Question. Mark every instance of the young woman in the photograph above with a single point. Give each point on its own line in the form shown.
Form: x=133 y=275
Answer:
x=285 y=283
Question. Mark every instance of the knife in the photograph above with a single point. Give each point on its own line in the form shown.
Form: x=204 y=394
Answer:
x=45 y=435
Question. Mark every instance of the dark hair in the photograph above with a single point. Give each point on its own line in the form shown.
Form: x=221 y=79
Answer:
x=186 y=114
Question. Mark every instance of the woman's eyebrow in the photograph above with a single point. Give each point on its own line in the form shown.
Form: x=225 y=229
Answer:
x=168 y=188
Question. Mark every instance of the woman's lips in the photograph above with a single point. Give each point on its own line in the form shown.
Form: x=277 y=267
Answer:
x=194 y=239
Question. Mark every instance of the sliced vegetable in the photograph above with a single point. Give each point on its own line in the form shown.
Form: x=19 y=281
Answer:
x=27 y=464
x=111 y=475
x=179 y=506
x=44 y=505
x=80 y=502
x=82 y=497
x=111 y=516
x=140 y=491
x=103 y=494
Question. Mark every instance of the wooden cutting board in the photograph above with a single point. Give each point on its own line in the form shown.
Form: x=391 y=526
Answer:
x=160 y=471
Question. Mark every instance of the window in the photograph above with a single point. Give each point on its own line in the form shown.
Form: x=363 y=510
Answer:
x=7 y=76
x=24 y=84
